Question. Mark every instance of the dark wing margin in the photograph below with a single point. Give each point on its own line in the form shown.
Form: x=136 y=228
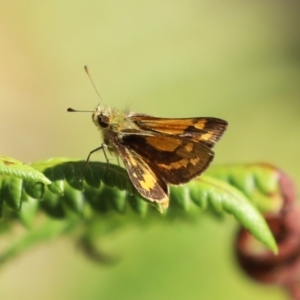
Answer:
x=204 y=130
x=149 y=184
x=175 y=160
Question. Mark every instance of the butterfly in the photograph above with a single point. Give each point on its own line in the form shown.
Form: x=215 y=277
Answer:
x=157 y=152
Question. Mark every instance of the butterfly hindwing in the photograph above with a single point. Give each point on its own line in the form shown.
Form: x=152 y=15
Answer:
x=175 y=160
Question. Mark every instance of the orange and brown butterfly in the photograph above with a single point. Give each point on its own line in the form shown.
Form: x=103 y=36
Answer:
x=157 y=152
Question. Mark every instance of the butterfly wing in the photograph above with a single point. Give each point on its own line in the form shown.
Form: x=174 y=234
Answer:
x=148 y=183
x=205 y=130
x=173 y=159
x=158 y=151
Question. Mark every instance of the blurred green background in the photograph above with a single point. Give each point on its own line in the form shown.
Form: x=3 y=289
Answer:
x=237 y=60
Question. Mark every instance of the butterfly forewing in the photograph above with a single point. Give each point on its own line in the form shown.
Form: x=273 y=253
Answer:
x=205 y=130
x=146 y=181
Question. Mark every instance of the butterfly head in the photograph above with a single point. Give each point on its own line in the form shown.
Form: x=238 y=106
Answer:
x=102 y=116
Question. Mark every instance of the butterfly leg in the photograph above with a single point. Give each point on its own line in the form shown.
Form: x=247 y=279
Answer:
x=104 y=146
x=88 y=157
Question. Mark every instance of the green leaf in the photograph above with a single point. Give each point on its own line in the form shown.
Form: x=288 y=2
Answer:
x=103 y=194
x=12 y=167
x=11 y=191
x=109 y=188
x=223 y=197
x=259 y=182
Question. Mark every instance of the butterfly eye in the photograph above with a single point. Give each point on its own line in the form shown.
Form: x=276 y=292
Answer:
x=103 y=121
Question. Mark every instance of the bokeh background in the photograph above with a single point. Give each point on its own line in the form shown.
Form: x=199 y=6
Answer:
x=237 y=60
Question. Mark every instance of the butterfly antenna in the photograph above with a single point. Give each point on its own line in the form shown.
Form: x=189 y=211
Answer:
x=92 y=82
x=75 y=110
